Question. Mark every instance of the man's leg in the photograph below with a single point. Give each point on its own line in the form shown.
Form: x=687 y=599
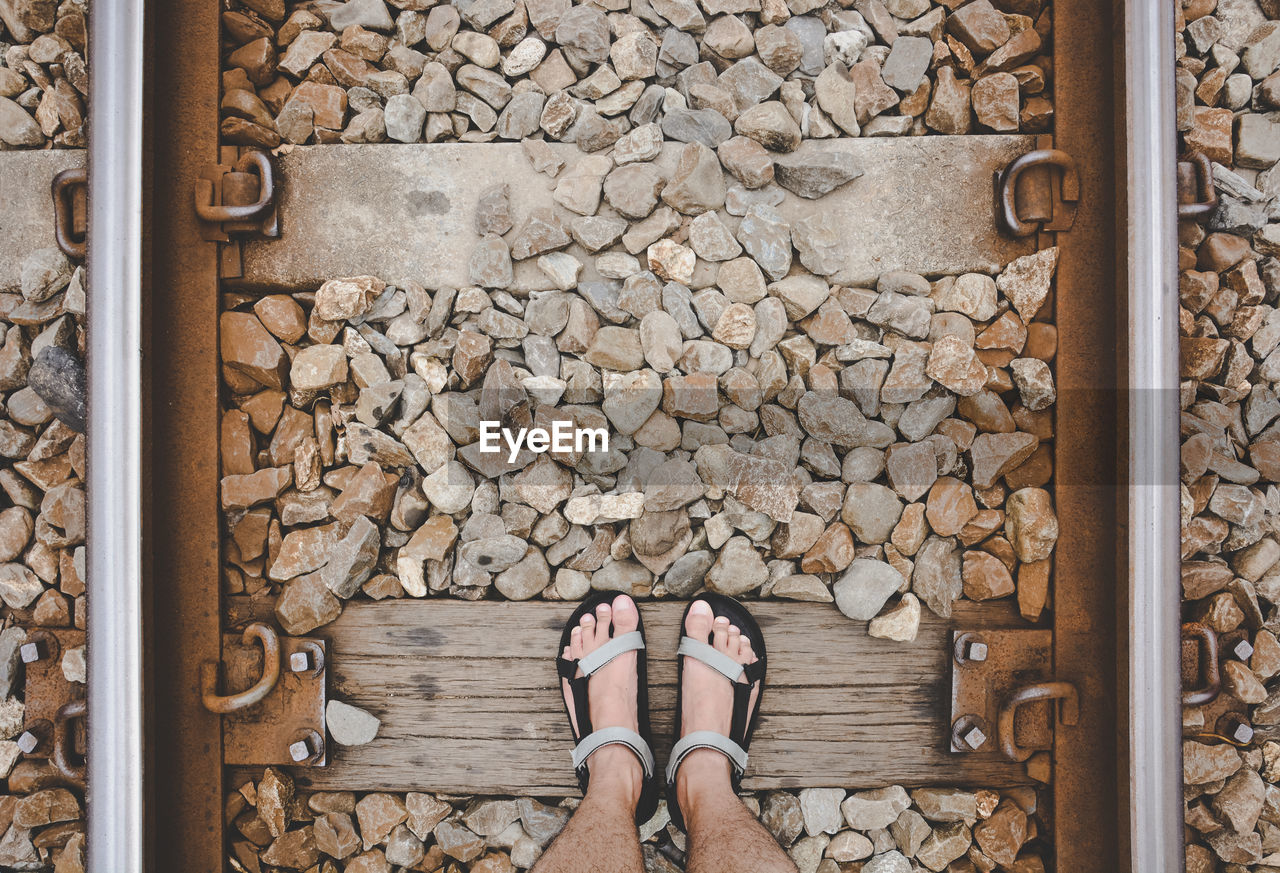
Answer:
x=601 y=837
x=724 y=837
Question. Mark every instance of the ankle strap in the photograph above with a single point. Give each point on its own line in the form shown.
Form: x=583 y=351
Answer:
x=706 y=740
x=614 y=736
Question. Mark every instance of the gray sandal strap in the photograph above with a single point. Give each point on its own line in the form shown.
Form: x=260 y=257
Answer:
x=614 y=736
x=706 y=740
x=620 y=645
x=718 y=661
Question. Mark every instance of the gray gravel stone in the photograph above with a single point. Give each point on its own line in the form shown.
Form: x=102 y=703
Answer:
x=349 y=725
x=865 y=588
x=58 y=377
x=812 y=173
x=937 y=579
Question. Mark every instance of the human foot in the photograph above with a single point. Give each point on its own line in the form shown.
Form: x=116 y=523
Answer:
x=707 y=701
x=612 y=695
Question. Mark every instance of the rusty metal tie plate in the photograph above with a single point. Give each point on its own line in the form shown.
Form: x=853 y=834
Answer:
x=236 y=185
x=70 y=191
x=987 y=666
x=1197 y=196
x=1037 y=192
x=1204 y=655
x=47 y=688
x=287 y=726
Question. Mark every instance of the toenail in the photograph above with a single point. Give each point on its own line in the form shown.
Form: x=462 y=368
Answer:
x=700 y=606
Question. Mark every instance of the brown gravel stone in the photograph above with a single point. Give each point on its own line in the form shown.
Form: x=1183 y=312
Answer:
x=305 y=604
x=1033 y=588
x=950 y=506
x=335 y=835
x=1211 y=134
x=275 y=800
x=995 y=102
x=295 y=849
x=979 y=26
x=1030 y=524
x=1202 y=763
x=832 y=552
x=249 y=348
x=377 y=815
x=985 y=577
x=46 y=807
x=949 y=108
x=244 y=491
x=1001 y=836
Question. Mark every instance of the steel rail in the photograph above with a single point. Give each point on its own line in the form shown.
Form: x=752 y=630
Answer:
x=116 y=650
x=1154 y=798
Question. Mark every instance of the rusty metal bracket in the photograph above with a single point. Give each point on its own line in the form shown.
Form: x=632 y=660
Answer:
x=987 y=667
x=70 y=191
x=1068 y=712
x=269 y=675
x=1207 y=670
x=66 y=759
x=1030 y=197
x=284 y=724
x=46 y=688
x=1197 y=196
x=237 y=198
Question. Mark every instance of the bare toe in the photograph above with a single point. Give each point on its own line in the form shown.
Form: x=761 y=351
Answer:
x=698 y=623
x=626 y=617
x=720 y=634
x=604 y=624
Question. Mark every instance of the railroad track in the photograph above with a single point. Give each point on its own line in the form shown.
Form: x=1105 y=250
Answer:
x=1044 y=664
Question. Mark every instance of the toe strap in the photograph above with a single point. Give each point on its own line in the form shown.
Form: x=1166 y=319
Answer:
x=706 y=740
x=611 y=736
x=629 y=642
x=709 y=655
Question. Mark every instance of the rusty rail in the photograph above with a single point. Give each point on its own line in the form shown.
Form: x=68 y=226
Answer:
x=183 y=440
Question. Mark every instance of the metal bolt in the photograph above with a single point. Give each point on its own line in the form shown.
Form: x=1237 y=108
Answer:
x=301 y=750
x=28 y=742
x=1243 y=650
x=31 y=652
x=968 y=733
x=969 y=647
x=299 y=662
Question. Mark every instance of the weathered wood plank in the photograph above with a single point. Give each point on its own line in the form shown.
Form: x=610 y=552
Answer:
x=468 y=697
x=408 y=213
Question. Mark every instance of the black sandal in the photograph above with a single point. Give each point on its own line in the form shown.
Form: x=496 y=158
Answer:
x=588 y=740
x=743 y=725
